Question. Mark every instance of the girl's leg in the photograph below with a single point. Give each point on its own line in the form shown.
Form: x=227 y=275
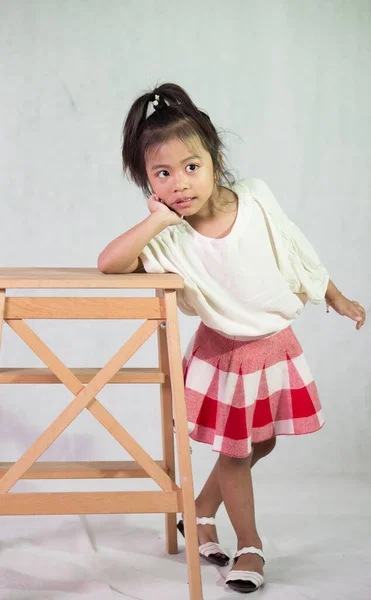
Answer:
x=210 y=497
x=237 y=491
x=207 y=504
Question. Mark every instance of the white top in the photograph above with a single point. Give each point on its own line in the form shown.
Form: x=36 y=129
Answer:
x=243 y=285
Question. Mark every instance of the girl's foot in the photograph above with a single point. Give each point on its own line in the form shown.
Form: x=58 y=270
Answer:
x=207 y=533
x=249 y=562
x=209 y=547
x=246 y=574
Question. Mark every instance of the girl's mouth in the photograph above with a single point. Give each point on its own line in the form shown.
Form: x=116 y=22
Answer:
x=183 y=203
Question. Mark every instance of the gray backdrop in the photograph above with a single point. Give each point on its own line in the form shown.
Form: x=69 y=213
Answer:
x=288 y=82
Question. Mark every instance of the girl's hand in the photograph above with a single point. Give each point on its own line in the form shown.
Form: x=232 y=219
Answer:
x=351 y=309
x=157 y=205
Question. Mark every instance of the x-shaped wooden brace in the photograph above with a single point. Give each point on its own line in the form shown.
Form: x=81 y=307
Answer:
x=85 y=398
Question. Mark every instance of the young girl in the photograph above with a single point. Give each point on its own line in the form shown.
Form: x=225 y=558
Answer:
x=248 y=272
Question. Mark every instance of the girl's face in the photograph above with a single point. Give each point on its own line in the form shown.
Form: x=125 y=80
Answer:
x=181 y=176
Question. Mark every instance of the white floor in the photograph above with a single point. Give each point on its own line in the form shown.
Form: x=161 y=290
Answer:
x=316 y=535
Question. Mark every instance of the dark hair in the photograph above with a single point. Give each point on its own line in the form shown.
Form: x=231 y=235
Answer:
x=174 y=116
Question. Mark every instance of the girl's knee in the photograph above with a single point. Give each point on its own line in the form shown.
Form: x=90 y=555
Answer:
x=231 y=461
x=266 y=447
x=260 y=449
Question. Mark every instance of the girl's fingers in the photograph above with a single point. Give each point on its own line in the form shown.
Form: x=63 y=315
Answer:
x=360 y=312
x=357 y=313
x=359 y=307
x=361 y=319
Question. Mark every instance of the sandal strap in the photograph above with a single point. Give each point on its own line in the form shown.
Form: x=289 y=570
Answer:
x=205 y=520
x=250 y=550
x=211 y=548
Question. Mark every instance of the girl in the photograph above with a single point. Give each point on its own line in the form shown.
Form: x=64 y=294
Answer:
x=248 y=272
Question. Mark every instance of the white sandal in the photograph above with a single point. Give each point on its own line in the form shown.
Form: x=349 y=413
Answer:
x=210 y=550
x=245 y=581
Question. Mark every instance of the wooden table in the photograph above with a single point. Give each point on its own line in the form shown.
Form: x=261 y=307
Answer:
x=160 y=315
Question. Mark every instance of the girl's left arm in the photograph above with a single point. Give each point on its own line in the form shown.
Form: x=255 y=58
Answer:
x=343 y=306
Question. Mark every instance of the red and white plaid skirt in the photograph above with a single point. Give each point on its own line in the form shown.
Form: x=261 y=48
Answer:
x=239 y=393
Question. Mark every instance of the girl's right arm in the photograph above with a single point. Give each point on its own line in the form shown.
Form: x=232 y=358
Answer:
x=122 y=254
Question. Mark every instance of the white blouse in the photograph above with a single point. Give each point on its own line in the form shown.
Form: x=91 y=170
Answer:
x=242 y=285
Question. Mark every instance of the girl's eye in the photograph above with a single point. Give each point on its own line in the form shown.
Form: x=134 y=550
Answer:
x=163 y=173
x=192 y=167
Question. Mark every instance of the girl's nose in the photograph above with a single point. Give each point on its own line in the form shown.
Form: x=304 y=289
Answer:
x=181 y=183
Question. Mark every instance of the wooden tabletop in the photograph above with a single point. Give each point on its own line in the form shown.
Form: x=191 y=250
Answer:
x=82 y=278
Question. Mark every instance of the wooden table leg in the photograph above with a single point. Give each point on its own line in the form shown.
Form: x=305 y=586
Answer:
x=184 y=454
x=167 y=431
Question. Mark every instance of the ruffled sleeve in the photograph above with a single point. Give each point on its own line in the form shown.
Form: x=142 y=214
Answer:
x=301 y=256
x=153 y=256
x=157 y=257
